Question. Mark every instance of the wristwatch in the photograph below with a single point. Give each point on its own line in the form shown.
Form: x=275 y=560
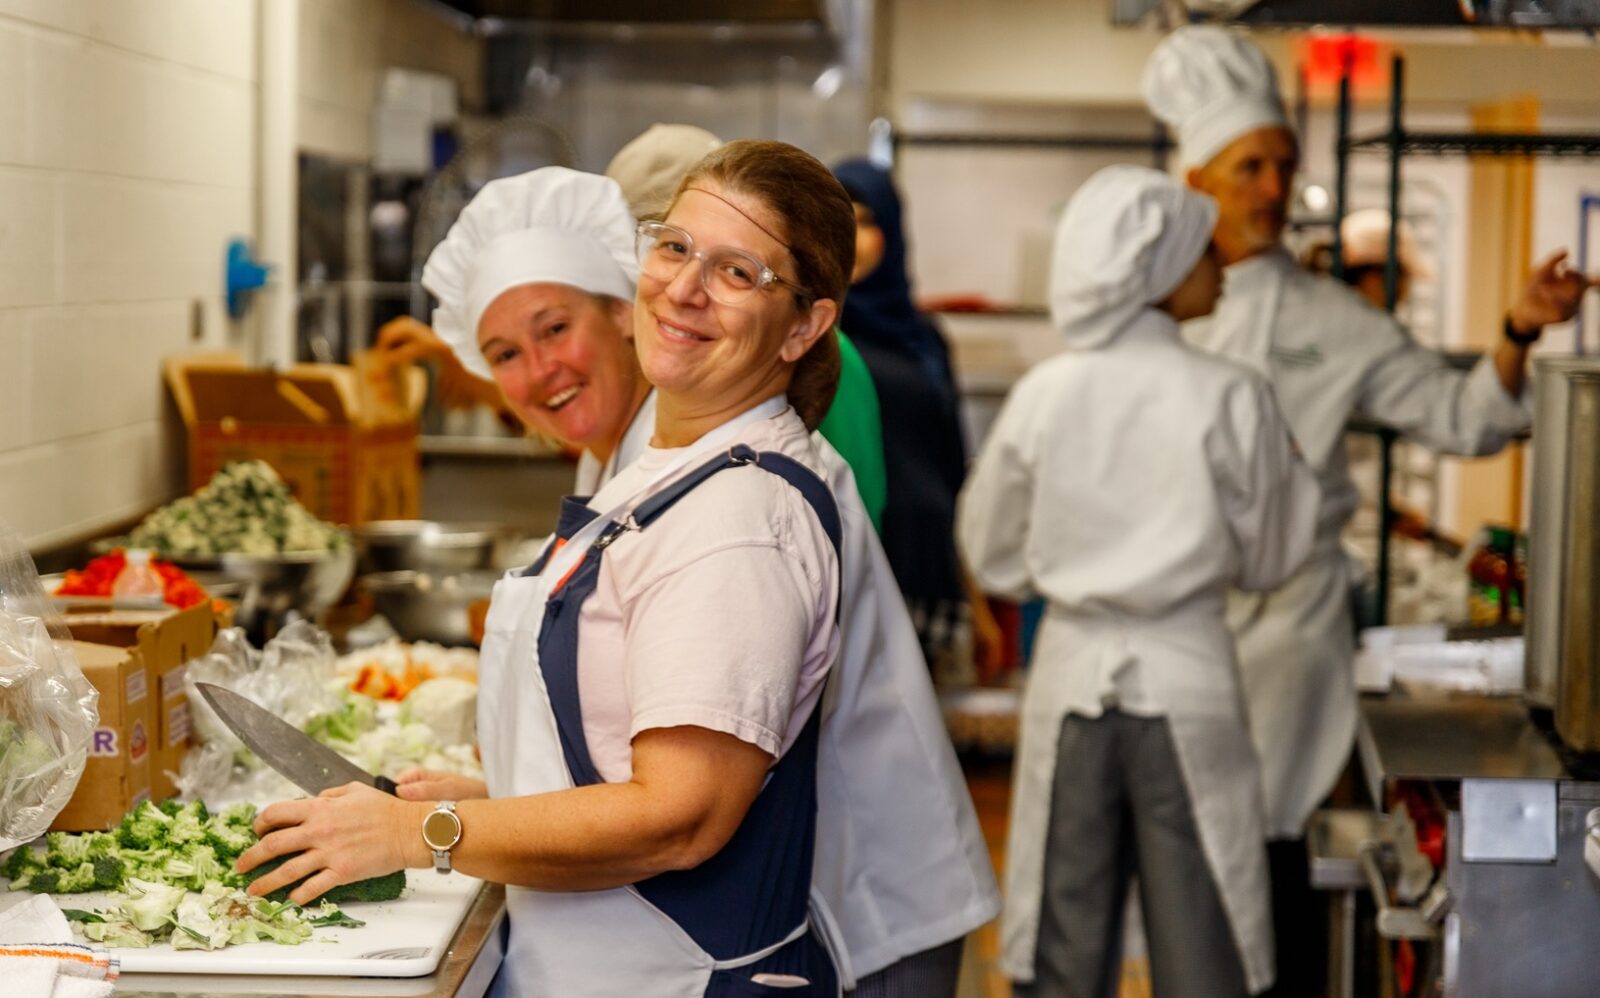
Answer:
x=441 y=830
x=1521 y=339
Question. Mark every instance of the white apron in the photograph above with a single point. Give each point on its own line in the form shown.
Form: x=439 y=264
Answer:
x=579 y=943
x=1214 y=751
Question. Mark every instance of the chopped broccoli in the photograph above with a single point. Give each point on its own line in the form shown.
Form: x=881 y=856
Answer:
x=229 y=841
x=108 y=873
x=357 y=715
x=65 y=851
x=195 y=925
x=117 y=932
x=144 y=827
x=384 y=888
x=150 y=905
x=238 y=816
x=44 y=880
x=19 y=864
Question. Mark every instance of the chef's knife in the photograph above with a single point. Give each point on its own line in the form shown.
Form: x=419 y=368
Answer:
x=304 y=761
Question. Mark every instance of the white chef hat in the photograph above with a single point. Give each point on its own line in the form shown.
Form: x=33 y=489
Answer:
x=649 y=168
x=1211 y=86
x=1364 y=236
x=551 y=225
x=1128 y=238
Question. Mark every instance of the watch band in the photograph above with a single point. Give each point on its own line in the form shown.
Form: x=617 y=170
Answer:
x=1521 y=339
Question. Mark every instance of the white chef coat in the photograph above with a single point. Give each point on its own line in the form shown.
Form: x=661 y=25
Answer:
x=1329 y=355
x=1130 y=486
x=900 y=858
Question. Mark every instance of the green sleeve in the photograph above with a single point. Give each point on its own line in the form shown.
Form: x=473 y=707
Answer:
x=855 y=429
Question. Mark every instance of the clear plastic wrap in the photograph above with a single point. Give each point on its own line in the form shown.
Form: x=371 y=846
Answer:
x=48 y=710
x=289 y=676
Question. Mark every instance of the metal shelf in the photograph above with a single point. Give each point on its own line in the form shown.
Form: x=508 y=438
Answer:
x=1570 y=144
x=1157 y=143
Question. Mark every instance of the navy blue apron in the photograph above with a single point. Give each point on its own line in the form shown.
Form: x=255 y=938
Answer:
x=754 y=891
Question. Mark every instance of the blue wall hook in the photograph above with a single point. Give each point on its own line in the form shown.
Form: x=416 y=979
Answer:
x=242 y=274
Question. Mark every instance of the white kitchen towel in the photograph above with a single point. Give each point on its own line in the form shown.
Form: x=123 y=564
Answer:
x=38 y=958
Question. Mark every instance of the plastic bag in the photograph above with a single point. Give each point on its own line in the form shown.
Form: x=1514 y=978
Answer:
x=290 y=676
x=48 y=710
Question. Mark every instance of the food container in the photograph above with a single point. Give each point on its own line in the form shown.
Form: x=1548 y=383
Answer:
x=426 y=607
x=430 y=546
x=272 y=587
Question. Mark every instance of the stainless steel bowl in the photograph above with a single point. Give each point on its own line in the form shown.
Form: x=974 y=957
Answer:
x=430 y=546
x=428 y=607
x=272 y=587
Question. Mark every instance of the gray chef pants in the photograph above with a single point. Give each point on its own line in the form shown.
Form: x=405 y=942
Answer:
x=1118 y=807
x=933 y=973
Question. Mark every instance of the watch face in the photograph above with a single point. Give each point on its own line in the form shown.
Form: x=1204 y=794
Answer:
x=441 y=829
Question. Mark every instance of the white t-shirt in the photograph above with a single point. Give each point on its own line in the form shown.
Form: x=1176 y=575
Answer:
x=720 y=614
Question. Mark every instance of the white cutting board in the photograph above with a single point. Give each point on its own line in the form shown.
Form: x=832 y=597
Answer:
x=406 y=937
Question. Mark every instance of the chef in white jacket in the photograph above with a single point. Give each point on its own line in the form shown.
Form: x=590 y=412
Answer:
x=900 y=862
x=1129 y=481
x=1329 y=355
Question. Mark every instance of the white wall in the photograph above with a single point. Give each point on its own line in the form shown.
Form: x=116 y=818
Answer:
x=127 y=160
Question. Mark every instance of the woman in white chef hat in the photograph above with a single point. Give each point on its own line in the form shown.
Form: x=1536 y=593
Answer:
x=1130 y=481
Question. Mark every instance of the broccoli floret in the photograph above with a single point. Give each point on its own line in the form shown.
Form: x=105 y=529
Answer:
x=356 y=715
x=19 y=864
x=188 y=823
x=145 y=827
x=108 y=873
x=65 y=851
x=195 y=868
x=76 y=880
x=384 y=888
x=102 y=844
x=171 y=806
x=238 y=816
x=229 y=840
x=41 y=881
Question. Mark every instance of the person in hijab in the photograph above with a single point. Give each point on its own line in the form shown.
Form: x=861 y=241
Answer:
x=1329 y=356
x=924 y=450
x=1129 y=482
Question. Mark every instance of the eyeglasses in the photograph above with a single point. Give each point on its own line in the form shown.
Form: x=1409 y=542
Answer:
x=730 y=276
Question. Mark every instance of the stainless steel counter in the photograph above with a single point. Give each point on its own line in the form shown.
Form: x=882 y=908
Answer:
x=465 y=972
x=1451 y=738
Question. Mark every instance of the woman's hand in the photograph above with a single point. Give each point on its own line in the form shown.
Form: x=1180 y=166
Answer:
x=431 y=785
x=344 y=834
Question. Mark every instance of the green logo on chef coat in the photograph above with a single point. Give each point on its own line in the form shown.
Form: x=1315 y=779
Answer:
x=1301 y=357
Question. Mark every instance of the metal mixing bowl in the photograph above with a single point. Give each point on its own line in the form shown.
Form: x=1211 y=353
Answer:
x=271 y=586
x=430 y=546
x=428 y=607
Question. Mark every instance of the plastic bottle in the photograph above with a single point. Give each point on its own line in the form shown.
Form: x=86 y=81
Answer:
x=138 y=578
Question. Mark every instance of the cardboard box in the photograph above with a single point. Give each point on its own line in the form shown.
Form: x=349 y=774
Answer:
x=116 y=775
x=344 y=439
x=164 y=642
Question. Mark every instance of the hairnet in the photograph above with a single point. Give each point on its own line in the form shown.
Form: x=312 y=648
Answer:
x=1128 y=238
x=548 y=226
x=649 y=168
x=1210 y=86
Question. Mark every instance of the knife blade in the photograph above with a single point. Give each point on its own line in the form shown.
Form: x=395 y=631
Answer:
x=304 y=761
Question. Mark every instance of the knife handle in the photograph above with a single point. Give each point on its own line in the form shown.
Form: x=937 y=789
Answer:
x=387 y=785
